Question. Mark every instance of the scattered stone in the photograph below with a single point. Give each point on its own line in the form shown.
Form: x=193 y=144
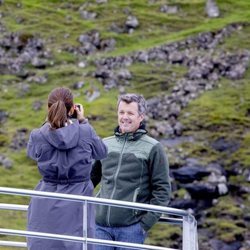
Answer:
x=38 y=79
x=212 y=9
x=187 y=174
x=124 y=74
x=3 y=116
x=20 y=139
x=131 y=22
x=88 y=15
x=23 y=89
x=101 y=1
x=37 y=105
x=220 y=245
x=221 y=144
x=5 y=162
x=169 y=9
x=92 y=94
x=81 y=64
x=78 y=85
x=92 y=42
x=202 y=191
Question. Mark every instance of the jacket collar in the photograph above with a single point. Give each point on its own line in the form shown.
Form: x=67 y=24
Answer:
x=131 y=136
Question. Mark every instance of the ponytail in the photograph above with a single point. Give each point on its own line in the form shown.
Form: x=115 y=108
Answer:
x=57 y=115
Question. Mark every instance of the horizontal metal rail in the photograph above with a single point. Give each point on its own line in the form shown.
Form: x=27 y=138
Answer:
x=95 y=200
x=188 y=222
x=17 y=207
x=13 y=244
x=80 y=239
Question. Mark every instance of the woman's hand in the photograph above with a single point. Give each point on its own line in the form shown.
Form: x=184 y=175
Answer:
x=80 y=112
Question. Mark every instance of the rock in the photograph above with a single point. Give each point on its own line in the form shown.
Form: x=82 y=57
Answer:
x=107 y=44
x=88 y=15
x=141 y=57
x=183 y=203
x=39 y=63
x=202 y=191
x=212 y=9
x=187 y=174
x=221 y=144
x=132 y=22
x=169 y=9
x=101 y=1
x=91 y=42
x=220 y=245
x=5 y=162
x=78 y=85
x=38 y=79
x=176 y=57
x=24 y=88
x=222 y=188
x=37 y=105
x=20 y=139
x=124 y=74
x=92 y=94
x=81 y=64
x=3 y=116
x=236 y=72
x=103 y=73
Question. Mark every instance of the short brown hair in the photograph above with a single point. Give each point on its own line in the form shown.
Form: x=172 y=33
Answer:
x=139 y=99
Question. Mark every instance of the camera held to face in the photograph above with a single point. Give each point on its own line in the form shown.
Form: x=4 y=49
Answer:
x=74 y=115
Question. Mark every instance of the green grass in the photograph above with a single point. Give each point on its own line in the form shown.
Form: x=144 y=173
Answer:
x=225 y=106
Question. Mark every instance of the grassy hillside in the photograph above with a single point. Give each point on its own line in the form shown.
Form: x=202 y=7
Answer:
x=221 y=112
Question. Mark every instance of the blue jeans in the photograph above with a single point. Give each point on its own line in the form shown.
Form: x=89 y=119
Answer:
x=133 y=234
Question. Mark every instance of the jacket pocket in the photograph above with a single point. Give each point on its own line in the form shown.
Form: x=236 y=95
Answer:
x=137 y=190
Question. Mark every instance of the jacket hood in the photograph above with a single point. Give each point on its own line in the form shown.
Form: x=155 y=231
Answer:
x=62 y=138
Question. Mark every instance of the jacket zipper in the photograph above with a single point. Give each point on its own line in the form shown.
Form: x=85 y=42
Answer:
x=135 y=194
x=115 y=180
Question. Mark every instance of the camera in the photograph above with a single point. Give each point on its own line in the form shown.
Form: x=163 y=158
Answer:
x=74 y=115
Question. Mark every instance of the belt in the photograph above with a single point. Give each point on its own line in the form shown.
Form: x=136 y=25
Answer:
x=66 y=181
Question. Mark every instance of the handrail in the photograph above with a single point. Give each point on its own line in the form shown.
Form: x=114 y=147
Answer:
x=95 y=200
x=80 y=239
x=18 y=207
x=188 y=222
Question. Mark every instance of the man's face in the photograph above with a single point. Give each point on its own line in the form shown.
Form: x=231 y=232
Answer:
x=128 y=117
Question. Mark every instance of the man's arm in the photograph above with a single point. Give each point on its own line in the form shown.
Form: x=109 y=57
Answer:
x=159 y=182
x=96 y=173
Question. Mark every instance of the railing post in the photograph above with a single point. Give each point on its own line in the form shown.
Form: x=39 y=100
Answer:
x=189 y=240
x=85 y=224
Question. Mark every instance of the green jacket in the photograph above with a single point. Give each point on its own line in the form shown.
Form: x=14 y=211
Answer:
x=136 y=169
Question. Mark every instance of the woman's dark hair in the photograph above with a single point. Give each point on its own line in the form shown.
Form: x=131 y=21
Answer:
x=60 y=101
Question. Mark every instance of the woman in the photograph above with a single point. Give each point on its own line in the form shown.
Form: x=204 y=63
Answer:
x=64 y=149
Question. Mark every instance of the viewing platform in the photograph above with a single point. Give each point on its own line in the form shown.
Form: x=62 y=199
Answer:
x=172 y=216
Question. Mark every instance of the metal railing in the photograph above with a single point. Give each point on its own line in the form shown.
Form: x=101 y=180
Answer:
x=186 y=220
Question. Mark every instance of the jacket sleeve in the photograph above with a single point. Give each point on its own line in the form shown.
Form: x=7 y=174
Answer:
x=96 y=173
x=159 y=182
x=99 y=149
x=32 y=148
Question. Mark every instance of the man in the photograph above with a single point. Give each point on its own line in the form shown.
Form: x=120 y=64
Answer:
x=136 y=169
